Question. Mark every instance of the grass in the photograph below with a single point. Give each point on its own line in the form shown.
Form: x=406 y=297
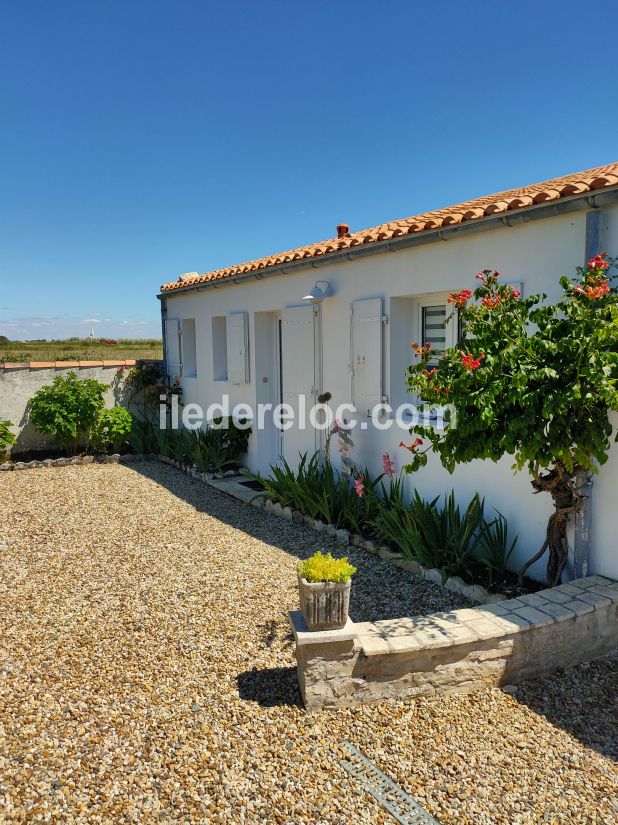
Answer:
x=80 y=349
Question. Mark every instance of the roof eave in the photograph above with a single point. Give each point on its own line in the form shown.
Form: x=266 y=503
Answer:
x=573 y=203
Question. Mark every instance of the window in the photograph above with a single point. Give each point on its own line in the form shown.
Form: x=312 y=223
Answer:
x=219 y=348
x=172 y=348
x=188 y=348
x=419 y=318
x=433 y=318
x=437 y=326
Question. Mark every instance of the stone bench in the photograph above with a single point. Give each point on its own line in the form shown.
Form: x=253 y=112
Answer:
x=457 y=651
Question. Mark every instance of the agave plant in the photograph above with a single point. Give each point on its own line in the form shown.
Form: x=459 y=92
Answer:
x=395 y=525
x=447 y=538
x=440 y=537
x=495 y=548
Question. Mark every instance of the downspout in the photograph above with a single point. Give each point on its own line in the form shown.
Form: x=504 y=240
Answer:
x=583 y=519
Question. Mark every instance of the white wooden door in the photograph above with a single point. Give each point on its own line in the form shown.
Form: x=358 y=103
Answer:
x=298 y=349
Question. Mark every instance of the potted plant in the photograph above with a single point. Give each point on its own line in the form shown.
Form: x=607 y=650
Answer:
x=324 y=585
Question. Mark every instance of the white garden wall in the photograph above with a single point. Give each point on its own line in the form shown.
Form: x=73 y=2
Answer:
x=19 y=382
x=535 y=254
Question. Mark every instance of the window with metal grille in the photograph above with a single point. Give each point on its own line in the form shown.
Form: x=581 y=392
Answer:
x=433 y=329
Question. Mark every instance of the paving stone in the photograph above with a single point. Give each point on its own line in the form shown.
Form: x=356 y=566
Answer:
x=534 y=616
x=558 y=611
x=556 y=595
x=610 y=593
x=532 y=599
x=592 y=597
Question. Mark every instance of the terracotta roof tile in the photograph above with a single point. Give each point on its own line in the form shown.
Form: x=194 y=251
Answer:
x=601 y=177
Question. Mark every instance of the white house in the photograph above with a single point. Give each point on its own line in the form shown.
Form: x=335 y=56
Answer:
x=249 y=331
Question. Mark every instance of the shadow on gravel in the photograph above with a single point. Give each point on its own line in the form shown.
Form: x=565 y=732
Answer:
x=270 y=687
x=381 y=591
x=581 y=700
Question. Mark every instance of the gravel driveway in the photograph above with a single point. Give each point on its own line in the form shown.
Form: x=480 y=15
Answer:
x=147 y=675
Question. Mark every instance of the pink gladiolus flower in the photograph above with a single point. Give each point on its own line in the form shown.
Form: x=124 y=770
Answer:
x=359 y=487
x=387 y=465
x=336 y=427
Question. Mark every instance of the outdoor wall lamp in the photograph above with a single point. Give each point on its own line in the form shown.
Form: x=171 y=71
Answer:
x=317 y=294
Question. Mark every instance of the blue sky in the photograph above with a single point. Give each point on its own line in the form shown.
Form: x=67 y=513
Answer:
x=140 y=140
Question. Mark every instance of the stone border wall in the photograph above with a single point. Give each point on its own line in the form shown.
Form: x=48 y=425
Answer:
x=76 y=460
x=459 y=651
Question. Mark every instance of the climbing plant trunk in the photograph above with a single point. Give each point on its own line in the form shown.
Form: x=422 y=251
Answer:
x=567 y=500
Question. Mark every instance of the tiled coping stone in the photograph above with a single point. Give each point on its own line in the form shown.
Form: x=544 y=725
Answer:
x=459 y=651
x=62 y=365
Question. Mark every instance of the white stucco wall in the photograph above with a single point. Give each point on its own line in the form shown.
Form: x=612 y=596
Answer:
x=536 y=253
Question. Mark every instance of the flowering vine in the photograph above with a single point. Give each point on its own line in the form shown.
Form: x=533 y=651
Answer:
x=529 y=380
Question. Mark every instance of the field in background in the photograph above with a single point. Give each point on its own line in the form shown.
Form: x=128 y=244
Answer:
x=80 y=349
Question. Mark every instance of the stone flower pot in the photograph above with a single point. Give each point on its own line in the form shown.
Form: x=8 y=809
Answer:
x=325 y=605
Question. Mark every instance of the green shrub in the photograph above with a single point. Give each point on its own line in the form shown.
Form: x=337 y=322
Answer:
x=179 y=444
x=67 y=409
x=230 y=435
x=111 y=429
x=142 y=386
x=457 y=542
x=395 y=524
x=6 y=436
x=142 y=438
x=325 y=568
x=216 y=448
x=358 y=512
